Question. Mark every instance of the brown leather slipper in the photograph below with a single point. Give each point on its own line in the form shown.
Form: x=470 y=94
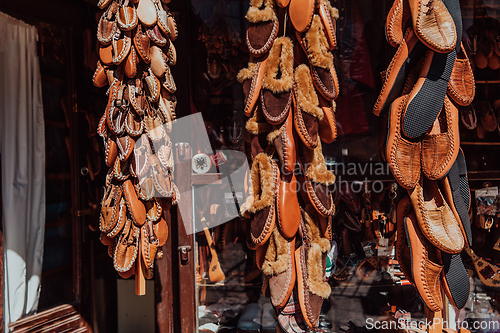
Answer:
x=263 y=26
x=329 y=16
x=135 y=207
x=258 y=128
x=107 y=27
x=111 y=209
x=277 y=82
x=462 y=87
x=301 y=13
x=127 y=18
x=141 y=43
x=288 y=207
x=284 y=140
x=126 y=247
x=100 y=79
x=327 y=127
x=251 y=79
x=398 y=20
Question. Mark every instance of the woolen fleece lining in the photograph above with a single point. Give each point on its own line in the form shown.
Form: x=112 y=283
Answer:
x=257 y=123
x=306 y=93
x=280 y=58
x=277 y=255
x=246 y=73
x=256 y=15
x=315 y=165
x=317 y=45
x=263 y=183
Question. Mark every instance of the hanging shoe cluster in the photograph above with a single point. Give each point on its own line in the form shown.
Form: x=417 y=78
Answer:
x=428 y=78
x=136 y=52
x=290 y=85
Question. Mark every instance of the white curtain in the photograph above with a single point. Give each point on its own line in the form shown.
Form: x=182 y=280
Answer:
x=22 y=149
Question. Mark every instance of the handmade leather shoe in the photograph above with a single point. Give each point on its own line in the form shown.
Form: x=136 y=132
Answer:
x=262 y=26
x=327 y=127
x=107 y=26
x=398 y=20
x=100 y=79
x=111 y=210
x=307 y=112
x=285 y=140
x=402 y=154
x=110 y=151
x=461 y=87
x=435 y=218
x=126 y=247
x=130 y=68
x=141 y=43
x=158 y=61
x=134 y=125
x=468 y=117
x=433 y=25
x=455 y=280
x=146 y=12
x=288 y=205
x=135 y=207
x=440 y=146
x=156 y=36
x=329 y=16
x=251 y=79
x=301 y=13
x=407 y=56
x=425 y=265
x=125 y=146
x=121 y=47
x=127 y=18
x=276 y=92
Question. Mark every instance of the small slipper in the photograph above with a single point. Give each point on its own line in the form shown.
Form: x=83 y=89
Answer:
x=116 y=110
x=461 y=87
x=125 y=145
x=162 y=19
x=141 y=43
x=427 y=96
x=156 y=36
x=111 y=210
x=440 y=146
x=162 y=180
x=137 y=96
x=329 y=16
x=126 y=248
x=488 y=117
x=468 y=117
x=146 y=12
x=263 y=26
x=121 y=47
x=251 y=79
x=264 y=176
x=99 y=79
x=153 y=86
x=402 y=154
x=158 y=61
x=258 y=128
x=172 y=26
x=106 y=54
x=276 y=93
x=315 y=180
x=398 y=20
x=455 y=280
x=407 y=56
x=121 y=170
x=161 y=231
x=127 y=18
x=327 y=127
x=107 y=27
x=110 y=151
x=315 y=45
x=403 y=254
x=307 y=112
x=301 y=13
x=287 y=205
x=425 y=265
x=435 y=218
x=146 y=188
x=131 y=63
x=135 y=207
x=149 y=246
x=284 y=140
x=141 y=158
x=120 y=223
x=433 y=24
x=279 y=267
x=134 y=125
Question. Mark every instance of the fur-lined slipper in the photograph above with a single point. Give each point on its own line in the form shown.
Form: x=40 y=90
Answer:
x=327 y=127
x=126 y=247
x=111 y=209
x=251 y=79
x=121 y=47
x=258 y=128
x=329 y=16
x=146 y=12
x=403 y=254
x=277 y=82
x=127 y=18
x=107 y=27
x=284 y=140
x=403 y=155
x=427 y=96
x=440 y=146
x=264 y=175
x=288 y=205
x=455 y=280
x=324 y=223
x=135 y=207
x=100 y=79
x=279 y=267
x=406 y=57
x=263 y=26
x=425 y=264
x=301 y=13
x=141 y=43
x=433 y=25
x=260 y=254
x=435 y=218
x=316 y=179
x=310 y=260
x=307 y=112
x=461 y=87
x=398 y=20
x=315 y=45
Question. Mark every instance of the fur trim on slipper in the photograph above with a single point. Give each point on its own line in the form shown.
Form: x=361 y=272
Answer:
x=264 y=186
x=314 y=273
x=276 y=261
x=280 y=58
x=317 y=45
x=256 y=15
x=306 y=93
x=257 y=123
x=246 y=73
x=314 y=163
x=274 y=134
x=310 y=215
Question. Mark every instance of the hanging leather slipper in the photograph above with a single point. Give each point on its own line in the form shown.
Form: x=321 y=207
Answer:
x=435 y=218
x=110 y=151
x=398 y=20
x=156 y=36
x=402 y=154
x=403 y=253
x=329 y=16
x=440 y=146
x=407 y=56
x=315 y=45
x=468 y=117
x=426 y=268
x=127 y=17
x=327 y=127
x=149 y=246
x=126 y=247
x=284 y=140
x=315 y=181
x=158 y=61
x=258 y=128
x=455 y=280
x=310 y=258
x=131 y=63
x=427 y=96
x=488 y=118
x=288 y=207
x=301 y=13
x=433 y=24
x=279 y=267
x=107 y=27
x=462 y=87
x=146 y=12
x=121 y=47
x=307 y=112
x=135 y=207
x=111 y=209
x=141 y=43
x=264 y=176
x=99 y=79
x=277 y=82
x=263 y=26
x=251 y=79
